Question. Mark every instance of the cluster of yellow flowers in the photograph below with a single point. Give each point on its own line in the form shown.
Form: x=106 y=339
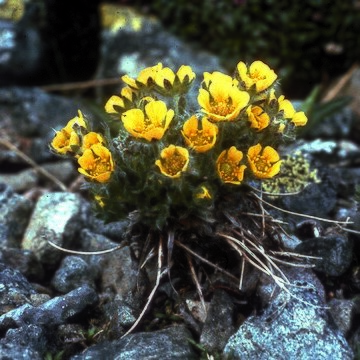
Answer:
x=93 y=156
x=238 y=115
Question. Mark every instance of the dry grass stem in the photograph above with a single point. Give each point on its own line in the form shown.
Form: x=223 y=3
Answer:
x=153 y=291
x=347 y=222
x=196 y=282
x=81 y=85
x=33 y=164
x=77 y=252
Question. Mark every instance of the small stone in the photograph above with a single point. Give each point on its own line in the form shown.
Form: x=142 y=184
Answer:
x=290 y=242
x=14 y=351
x=335 y=253
x=115 y=230
x=31 y=337
x=14 y=216
x=219 y=323
x=57 y=217
x=168 y=344
x=22 y=181
x=14 y=289
x=24 y=261
x=342 y=311
x=73 y=273
x=119 y=269
x=61 y=308
x=119 y=316
x=54 y=312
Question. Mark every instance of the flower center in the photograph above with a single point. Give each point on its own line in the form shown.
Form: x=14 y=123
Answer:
x=174 y=164
x=257 y=75
x=262 y=165
x=148 y=124
x=200 y=137
x=228 y=171
x=99 y=167
x=222 y=108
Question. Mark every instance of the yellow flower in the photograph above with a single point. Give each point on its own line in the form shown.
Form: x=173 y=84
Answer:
x=117 y=104
x=258 y=118
x=173 y=161
x=145 y=78
x=258 y=75
x=185 y=74
x=286 y=107
x=67 y=140
x=203 y=193
x=64 y=142
x=264 y=163
x=148 y=124
x=99 y=200
x=77 y=121
x=166 y=79
x=91 y=139
x=228 y=166
x=96 y=163
x=220 y=98
x=199 y=135
x=298 y=118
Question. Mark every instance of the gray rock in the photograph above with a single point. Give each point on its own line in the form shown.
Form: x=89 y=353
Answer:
x=115 y=230
x=36 y=112
x=15 y=42
x=27 y=179
x=328 y=151
x=54 y=312
x=219 y=323
x=24 y=180
x=45 y=43
x=14 y=216
x=168 y=344
x=336 y=126
x=14 y=289
x=73 y=273
x=119 y=316
x=33 y=113
x=24 y=261
x=335 y=252
x=298 y=276
x=14 y=351
x=57 y=217
x=316 y=199
x=289 y=241
x=30 y=337
x=62 y=308
x=355 y=341
x=342 y=311
x=120 y=273
x=291 y=327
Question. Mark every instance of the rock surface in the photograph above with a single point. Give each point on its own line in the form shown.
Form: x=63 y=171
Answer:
x=291 y=320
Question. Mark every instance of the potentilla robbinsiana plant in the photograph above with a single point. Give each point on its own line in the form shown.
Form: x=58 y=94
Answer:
x=190 y=175
x=166 y=161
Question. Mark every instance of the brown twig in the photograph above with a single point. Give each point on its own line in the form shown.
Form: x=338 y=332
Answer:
x=334 y=91
x=32 y=163
x=81 y=84
x=153 y=291
x=196 y=282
